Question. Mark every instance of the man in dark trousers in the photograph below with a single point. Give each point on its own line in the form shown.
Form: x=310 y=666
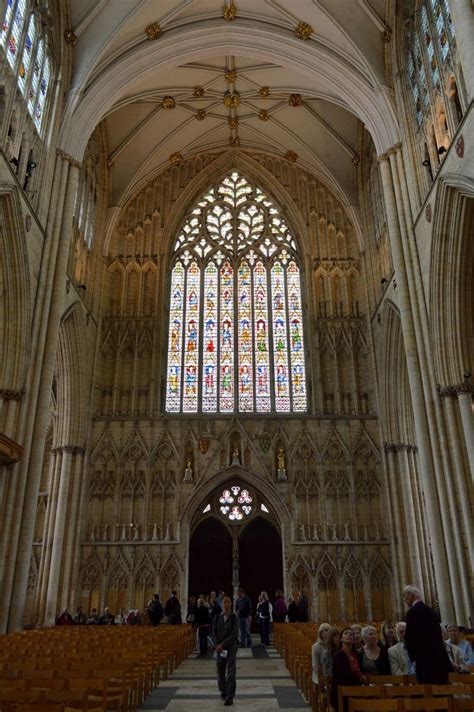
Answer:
x=155 y=610
x=226 y=640
x=424 y=640
x=243 y=608
x=173 y=609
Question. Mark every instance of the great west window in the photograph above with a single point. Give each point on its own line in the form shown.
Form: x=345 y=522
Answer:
x=235 y=339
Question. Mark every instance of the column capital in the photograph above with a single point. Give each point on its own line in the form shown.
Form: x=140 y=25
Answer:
x=399 y=447
x=72 y=161
x=7 y=394
x=391 y=151
x=456 y=389
x=71 y=449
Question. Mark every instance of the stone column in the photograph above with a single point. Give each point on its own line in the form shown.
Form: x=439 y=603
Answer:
x=430 y=486
x=21 y=528
x=70 y=533
x=465 y=399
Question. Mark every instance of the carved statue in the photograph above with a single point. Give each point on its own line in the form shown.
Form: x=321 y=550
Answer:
x=334 y=532
x=168 y=531
x=188 y=472
x=235 y=454
x=315 y=532
x=347 y=535
x=302 y=532
x=281 y=470
x=154 y=536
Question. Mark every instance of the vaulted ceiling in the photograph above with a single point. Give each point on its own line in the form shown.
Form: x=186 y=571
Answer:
x=228 y=92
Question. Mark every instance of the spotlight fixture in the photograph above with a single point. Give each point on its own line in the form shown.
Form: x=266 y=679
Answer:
x=466 y=375
x=15 y=161
x=30 y=165
x=441 y=150
x=383 y=281
x=426 y=163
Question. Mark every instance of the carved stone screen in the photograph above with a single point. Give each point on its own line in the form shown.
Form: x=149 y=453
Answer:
x=235 y=339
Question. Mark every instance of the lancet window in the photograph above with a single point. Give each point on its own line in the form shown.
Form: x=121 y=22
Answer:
x=235 y=340
x=25 y=45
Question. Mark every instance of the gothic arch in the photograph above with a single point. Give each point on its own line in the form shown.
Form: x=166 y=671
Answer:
x=72 y=365
x=15 y=305
x=451 y=289
x=357 y=90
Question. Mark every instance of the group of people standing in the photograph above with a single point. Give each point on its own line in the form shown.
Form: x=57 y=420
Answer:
x=415 y=647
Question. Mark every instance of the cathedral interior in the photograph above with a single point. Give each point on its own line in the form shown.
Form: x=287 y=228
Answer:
x=236 y=303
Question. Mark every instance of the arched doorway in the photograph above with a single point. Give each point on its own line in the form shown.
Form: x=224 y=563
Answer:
x=210 y=558
x=260 y=559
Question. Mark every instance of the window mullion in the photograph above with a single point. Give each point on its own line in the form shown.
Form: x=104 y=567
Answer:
x=271 y=350
x=183 y=337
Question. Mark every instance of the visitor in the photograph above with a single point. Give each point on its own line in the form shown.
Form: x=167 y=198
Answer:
x=80 y=618
x=220 y=599
x=201 y=621
x=292 y=610
x=358 y=642
x=173 y=609
x=280 y=610
x=155 y=610
x=424 y=641
x=214 y=613
x=93 y=619
x=333 y=645
x=388 y=635
x=191 y=612
x=374 y=658
x=456 y=658
x=107 y=618
x=264 y=618
x=226 y=639
x=319 y=658
x=243 y=608
x=302 y=605
x=65 y=618
x=121 y=617
x=345 y=668
x=454 y=633
x=400 y=663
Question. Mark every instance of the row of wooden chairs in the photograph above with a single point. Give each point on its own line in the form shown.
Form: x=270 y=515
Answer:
x=294 y=643
x=88 y=668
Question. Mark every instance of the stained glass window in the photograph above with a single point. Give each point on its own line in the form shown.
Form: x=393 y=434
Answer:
x=33 y=68
x=25 y=63
x=235 y=339
x=429 y=43
x=235 y=503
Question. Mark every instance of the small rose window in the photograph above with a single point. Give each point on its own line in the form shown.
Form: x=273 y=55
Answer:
x=235 y=503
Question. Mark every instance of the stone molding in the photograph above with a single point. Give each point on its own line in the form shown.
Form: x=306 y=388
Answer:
x=455 y=390
x=10 y=451
x=399 y=447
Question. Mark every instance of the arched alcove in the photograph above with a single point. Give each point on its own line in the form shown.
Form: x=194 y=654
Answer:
x=210 y=558
x=260 y=559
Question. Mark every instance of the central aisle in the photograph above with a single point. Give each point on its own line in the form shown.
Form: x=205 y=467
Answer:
x=263 y=683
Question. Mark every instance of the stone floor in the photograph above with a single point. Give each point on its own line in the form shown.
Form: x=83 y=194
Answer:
x=263 y=683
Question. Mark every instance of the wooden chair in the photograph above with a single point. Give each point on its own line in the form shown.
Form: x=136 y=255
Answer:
x=357 y=692
x=387 y=679
x=376 y=705
x=443 y=704
x=467 y=704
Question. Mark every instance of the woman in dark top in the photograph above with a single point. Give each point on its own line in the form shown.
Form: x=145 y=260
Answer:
x=292 y=610
x=374 y=658
x=345 y=668
x=201 y=621
x=264 y=615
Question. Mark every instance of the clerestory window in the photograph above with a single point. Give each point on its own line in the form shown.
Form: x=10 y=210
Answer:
x=28 y=55
x=235 y=339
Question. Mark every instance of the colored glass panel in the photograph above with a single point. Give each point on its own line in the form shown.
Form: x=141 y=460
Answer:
x=13 y=42
x=280 y=342
x=35 y=80
x=245 y=364
x=7 y=21
x=210 y=340
x=173 y=388
x=262 y=357
x=26 y=56
x=43 y=92
x=229 y=349
x=295 y=319
x=226 y=381
x=191 y=339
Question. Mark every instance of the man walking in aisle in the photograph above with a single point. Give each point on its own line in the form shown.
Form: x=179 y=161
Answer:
x=243 y=608
x=226 y=640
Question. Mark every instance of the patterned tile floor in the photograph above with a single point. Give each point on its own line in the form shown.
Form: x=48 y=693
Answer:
x=263 y=684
